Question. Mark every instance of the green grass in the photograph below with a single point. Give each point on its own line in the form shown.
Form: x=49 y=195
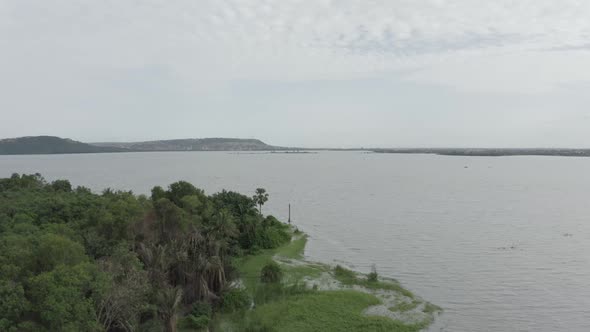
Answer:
x=405 y=306
x=295 y=274
x=288 y=307
x=293 y=250
x=348 y=277
x=323 y=311
x=250 y=266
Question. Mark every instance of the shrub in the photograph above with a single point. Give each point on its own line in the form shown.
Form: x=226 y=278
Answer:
x=373 y=276
x=235 y=299
x=195 y=322
x=254 y=250
x=273 y=237
x=271 y=273
x=201 y=309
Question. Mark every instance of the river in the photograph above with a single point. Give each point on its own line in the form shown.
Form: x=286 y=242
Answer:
x=501 y=243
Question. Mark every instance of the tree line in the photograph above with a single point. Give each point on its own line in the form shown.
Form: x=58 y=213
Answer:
x=74 y=260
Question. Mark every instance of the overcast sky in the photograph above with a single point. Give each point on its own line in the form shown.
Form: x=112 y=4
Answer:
x=340 y=73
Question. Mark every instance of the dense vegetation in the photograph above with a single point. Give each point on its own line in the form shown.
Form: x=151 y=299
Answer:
x=73 y=260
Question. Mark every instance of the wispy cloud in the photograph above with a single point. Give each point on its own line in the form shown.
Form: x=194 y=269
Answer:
x=290 y=38
x=70 y=54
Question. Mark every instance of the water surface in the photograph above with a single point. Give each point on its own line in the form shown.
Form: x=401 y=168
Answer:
x=501 y=243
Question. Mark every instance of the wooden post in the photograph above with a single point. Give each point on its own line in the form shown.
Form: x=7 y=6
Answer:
x=289 y=213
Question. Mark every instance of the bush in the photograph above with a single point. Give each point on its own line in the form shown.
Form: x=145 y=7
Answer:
x=373 y=276
x=273 y=237
x=271 y=273
x=195 y=322
x=235 y=299
x=201 y=309
x=254 y=250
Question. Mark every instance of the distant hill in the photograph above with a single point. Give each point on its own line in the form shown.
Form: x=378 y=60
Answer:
x=49 y=145
x=195 y=144
x=57 y=145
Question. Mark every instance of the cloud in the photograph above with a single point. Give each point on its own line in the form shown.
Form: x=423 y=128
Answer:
x=292 y=39
x=124 y=56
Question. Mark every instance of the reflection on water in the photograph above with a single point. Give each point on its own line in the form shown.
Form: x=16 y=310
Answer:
x=502 y=244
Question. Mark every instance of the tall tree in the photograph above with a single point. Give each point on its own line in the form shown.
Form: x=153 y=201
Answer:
x=260 y=198
x=169 y=300
x=120 y=306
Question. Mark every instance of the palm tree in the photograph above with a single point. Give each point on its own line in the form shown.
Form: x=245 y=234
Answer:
x=169 y=300
x=190 y=267
x=156 y=260
x=221 y=233
x=260 y=198
x=216 y=274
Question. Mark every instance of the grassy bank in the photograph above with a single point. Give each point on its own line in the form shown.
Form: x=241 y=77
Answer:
x=318 y=297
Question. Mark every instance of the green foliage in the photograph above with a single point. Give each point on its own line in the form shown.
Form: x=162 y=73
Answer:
x=194 y=322
x=61 y=185
x=158 y=193
x=13 y=303
x=271 y=273
x=64 y=297
x=54 y=250
x=239 y=205
x=181 y=189
x=73 y=260
x=235 y=299
x=16 y=181
x=192 y=204
x=273 y=233
x=202 y=309
x=199 y=317
x=171 y=219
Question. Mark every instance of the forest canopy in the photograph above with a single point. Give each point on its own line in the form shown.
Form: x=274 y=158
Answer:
x=74 y=260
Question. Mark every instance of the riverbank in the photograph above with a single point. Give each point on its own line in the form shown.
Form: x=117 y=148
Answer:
x=318 y=297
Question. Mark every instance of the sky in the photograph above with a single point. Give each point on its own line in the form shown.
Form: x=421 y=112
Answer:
x=308 y=73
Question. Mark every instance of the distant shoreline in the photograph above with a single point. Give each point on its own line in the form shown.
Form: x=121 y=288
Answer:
x=466 y=152
x=46 y=145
